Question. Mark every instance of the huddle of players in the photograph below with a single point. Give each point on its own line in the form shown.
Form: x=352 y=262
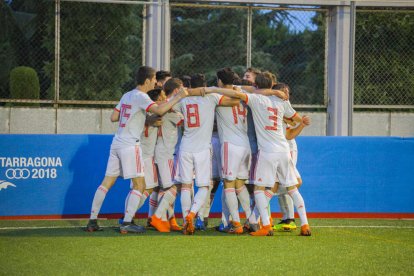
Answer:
x=252 y=139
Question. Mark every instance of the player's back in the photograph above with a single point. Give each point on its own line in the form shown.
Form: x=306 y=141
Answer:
x=232 y=124
x=168 y=133
x=198 y=121
x=133 y=106
x=268 y=113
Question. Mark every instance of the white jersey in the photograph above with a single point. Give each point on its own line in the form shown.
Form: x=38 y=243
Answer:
x=198 y=121
x=168 y=134
x=268 y=113
x=232 y=125
x=148 y=141
x=132 y=107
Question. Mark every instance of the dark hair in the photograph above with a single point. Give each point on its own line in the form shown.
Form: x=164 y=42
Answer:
x=186 y=81
x=263 y=80
x=198 y=80
x=144 y=73
x=226 y=75
x=281 y=86
x=154 y=93
x=172 y=84
x=273 y=76
x=162 y=75
x=243 y=82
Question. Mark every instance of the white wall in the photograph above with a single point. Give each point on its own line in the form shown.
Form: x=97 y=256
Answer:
x=27 y=120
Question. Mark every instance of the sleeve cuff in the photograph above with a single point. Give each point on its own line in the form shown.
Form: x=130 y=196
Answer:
x=221 y=99
x=290 y=118
x=148 y=107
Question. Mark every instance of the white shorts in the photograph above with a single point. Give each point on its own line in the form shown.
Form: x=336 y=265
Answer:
x=151 y=175
x=167 y=172
x=274 y=167
x=294 y=155
x=235 y=161
x=126 y=162
x=198 y=163
x=216 y=165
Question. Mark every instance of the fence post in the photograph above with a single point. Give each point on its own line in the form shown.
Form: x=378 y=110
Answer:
x=57 y=52
x=338 y=70
x=157 y=35
x=249 y=37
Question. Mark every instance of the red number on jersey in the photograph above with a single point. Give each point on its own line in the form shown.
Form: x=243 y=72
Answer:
x=273 y=118
x=124 y=116
x=193 y=118
x=239 y=110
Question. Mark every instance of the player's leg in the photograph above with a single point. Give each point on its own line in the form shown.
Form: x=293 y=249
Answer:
x=264 y=179
x=202 y=171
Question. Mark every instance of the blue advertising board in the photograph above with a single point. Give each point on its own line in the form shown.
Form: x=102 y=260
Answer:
x=57 y=175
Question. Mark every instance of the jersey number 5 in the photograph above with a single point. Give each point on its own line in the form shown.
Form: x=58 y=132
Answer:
x=193 y=118
x=125 y=108
x=272 y=118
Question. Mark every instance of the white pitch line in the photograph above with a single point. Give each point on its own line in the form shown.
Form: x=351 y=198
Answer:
x=315 y=226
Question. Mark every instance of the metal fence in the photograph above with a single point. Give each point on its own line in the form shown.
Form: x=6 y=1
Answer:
x=100 y=45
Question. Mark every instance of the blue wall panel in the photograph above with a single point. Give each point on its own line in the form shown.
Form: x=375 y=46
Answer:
x=340 y=174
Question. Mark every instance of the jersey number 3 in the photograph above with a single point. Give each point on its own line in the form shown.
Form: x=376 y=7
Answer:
x=193 y=118
x=272 y=118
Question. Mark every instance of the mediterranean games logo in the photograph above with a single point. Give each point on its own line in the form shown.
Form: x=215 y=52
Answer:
x=28 y=168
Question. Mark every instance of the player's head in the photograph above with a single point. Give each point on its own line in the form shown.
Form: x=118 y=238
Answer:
x=282 y=87
x=243 y=82
x=263 y=81
x=157 y=95
x=172 y=86
x=145 y=77
x=186 y=81
x=273 y=76
x=162 y=76
x=251 y=74
x=225 y=76
x=198 y=80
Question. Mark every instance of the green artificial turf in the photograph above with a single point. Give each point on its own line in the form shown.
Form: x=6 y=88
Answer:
x=336 y=247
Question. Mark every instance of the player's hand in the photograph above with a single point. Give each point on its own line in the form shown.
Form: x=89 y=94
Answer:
x=237 y=88
x=281 y=94
x=183 y=93
x=158 y=122
x=306 y=120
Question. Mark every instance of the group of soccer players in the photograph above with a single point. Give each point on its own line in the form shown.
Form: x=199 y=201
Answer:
x=252 y=155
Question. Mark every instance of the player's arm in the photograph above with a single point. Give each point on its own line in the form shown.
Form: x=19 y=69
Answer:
x=161 y=109
x=292 y=133
x=230 y=93
x=227 y=101
x=200 y=91
x=270 y=92
x=116 y=113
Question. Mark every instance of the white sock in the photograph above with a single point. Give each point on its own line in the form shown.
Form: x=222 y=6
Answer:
x=166 y=201
x=170 y=210
x=199 y=199
x=262 y=205
x=98 y=199
x=232 y=203
x=153 y=203
x=254 y=216
x=225 y=213
x=142 y=201
x=205 y=211
x=300 y=205
x=185 y=201
x=132 y=205
x=244 y=199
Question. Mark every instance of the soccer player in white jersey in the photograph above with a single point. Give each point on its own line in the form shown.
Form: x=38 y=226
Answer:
x=195 y=151
x=125 y=157
x=273 y=161
x=166 y=163
x=235 y=153
x=162 y=77
x=291 y=131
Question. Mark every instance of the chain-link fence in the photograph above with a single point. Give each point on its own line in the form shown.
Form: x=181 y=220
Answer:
x=384 y=58
x=100 y=45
